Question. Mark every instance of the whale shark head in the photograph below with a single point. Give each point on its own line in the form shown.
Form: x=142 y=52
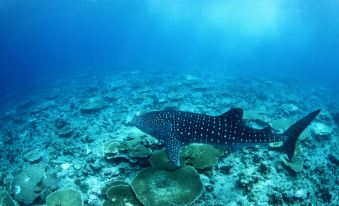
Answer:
x=151 y=123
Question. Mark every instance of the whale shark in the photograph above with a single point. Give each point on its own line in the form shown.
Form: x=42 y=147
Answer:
x=179 y=128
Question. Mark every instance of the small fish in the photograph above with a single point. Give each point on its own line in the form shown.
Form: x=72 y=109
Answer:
x=177 y=129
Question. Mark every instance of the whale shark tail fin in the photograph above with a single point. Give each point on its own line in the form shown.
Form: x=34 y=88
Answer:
x=294 y=132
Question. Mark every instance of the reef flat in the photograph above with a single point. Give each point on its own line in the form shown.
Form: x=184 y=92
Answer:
x=70 y=142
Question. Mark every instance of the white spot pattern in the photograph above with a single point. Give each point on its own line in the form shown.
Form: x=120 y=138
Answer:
x=182 y=128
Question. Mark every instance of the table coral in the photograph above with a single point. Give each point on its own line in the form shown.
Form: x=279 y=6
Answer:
x=155 y=187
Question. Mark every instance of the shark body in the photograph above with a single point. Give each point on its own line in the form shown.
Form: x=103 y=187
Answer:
x=177 y=129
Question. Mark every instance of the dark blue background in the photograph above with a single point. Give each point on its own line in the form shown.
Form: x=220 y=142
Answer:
x=42 y=37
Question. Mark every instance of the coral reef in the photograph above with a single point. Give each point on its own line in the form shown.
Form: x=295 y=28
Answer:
x=296 y=164
x=201 y=156
x=119 y=193
x=33 y=156
x=282 y=125
x=65 y=197
x=155 y=187
x=140 y=151
x=159 y=160
x=111 y=149
x=6 y=200
x=58 y=137
x=93 y=104
x=321 y=130
x=65 y=131
x=26 y=183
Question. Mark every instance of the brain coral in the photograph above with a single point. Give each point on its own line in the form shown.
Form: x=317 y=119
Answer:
x=154 y=187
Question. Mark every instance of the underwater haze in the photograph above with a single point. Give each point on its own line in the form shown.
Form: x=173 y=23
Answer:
x=294 y=39
x=169 y=102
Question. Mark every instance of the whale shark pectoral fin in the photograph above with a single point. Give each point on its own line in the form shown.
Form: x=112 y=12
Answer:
x=234 y=115
x=173 y=146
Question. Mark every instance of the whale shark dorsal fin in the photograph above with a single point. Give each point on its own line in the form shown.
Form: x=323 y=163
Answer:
x=234 y=115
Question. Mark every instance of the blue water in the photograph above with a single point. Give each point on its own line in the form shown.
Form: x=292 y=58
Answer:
x=74 y=73
x=292 y=39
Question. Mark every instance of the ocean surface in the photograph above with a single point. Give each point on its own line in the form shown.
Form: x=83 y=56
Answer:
x=74 y=74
